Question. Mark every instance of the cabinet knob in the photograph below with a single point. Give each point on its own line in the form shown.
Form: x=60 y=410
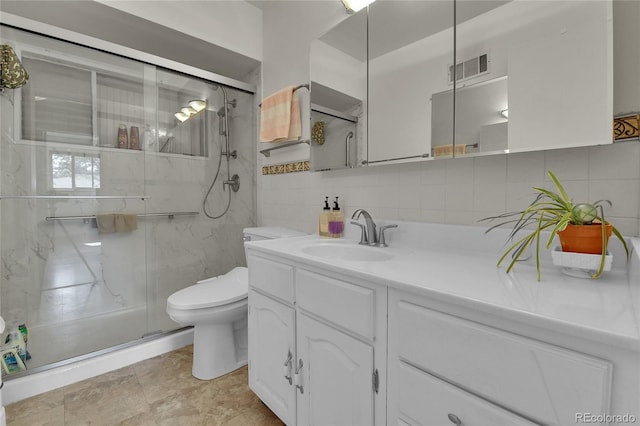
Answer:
x=286 y=368
x=454 y=419
x=297 y=379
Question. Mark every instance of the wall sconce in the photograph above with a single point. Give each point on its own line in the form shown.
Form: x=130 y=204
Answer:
x=353 y=6
x=195 y=106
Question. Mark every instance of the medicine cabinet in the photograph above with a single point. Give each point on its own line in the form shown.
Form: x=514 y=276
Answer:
x=502 y=76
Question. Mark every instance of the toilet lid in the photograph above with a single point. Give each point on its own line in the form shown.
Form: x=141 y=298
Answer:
x=222 y=290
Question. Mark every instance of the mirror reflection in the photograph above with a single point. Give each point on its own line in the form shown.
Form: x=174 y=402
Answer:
x=525 y=75
x=405 y=69
x=532 y=75
x=338 y=95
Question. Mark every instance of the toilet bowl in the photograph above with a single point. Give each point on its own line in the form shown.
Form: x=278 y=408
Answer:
x=217 y=308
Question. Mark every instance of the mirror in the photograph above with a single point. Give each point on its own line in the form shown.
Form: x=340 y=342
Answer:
x=338 y=68
x=532 y=75
x=405 y=69
x=529 y=75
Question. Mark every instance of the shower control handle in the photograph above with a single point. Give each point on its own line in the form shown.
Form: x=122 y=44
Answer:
x=286 y=368
x=234 y=183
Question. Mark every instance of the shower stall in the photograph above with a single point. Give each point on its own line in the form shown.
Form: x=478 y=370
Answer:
x=106 y=171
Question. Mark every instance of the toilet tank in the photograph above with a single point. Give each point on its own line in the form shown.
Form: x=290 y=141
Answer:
x=269 y=233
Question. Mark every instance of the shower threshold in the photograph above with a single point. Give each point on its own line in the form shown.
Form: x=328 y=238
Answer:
x=144 y=339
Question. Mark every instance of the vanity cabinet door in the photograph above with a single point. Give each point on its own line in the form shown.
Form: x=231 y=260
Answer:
x=272 y=354
x=334 y=377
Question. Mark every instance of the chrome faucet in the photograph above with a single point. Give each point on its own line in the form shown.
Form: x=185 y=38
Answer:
x=368 y=235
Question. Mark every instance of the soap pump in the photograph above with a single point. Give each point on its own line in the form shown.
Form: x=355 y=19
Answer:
x=336 y=221
x=323 y=220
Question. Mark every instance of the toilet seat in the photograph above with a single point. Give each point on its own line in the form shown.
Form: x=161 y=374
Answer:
x=212 y=292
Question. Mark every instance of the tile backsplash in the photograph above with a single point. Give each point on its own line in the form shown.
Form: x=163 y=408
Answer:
x=460 y=191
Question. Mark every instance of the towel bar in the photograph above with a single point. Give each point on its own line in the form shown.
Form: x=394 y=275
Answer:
x=170 y=215
x=73 y=197
x=294 y=89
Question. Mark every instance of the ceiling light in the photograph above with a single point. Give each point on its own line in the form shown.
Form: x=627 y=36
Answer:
x=188 y=111
x=181 y=116
x=198 y=104
x=353 y=6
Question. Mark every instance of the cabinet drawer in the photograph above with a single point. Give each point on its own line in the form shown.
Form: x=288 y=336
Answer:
x=342 y=303
x=271 y=277
x=427 y=400
x=540 y=381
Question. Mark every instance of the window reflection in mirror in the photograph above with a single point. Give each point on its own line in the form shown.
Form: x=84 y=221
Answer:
x=338 y=67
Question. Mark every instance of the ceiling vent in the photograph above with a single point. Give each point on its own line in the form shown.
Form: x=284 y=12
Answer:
x=470 y=68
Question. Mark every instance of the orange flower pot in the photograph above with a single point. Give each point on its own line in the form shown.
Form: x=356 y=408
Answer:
x=584 y=238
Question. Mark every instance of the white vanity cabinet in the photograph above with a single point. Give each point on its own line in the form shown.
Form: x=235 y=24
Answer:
x=325 y=332
x=444 y=369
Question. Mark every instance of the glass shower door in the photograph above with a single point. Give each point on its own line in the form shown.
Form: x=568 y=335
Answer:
x=75 y=283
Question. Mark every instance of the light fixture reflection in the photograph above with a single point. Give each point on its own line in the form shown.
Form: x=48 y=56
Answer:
x=198 y=104
x=353 y=6
x=195 y=106
x=181 y=116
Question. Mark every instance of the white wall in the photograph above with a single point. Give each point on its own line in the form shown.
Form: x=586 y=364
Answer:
x=441 y=191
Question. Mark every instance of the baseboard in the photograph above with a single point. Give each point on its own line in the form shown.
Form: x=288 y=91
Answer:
x=33 y=384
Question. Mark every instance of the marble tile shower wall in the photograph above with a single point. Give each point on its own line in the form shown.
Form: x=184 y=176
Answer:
x=135 y=271
x=461 y=191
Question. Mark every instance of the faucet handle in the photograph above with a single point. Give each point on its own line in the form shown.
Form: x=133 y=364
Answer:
x=381 y=240
x=363 y=234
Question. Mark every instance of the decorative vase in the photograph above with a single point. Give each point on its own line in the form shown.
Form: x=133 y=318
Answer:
x=584 y=238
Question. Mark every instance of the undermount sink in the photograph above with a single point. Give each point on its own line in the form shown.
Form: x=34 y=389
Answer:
x=349 y=252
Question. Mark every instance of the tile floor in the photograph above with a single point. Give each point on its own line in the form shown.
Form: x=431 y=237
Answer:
x=157 y=391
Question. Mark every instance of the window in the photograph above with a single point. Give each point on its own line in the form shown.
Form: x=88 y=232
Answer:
x=75 y=171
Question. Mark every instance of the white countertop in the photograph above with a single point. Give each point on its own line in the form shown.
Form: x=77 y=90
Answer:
x=457 y=264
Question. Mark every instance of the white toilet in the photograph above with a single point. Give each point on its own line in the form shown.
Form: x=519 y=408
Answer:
x=217 y=308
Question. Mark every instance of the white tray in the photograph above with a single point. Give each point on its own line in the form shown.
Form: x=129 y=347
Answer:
x=579 y=264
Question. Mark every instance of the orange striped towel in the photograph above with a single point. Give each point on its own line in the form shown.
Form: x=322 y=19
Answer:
x=280 y=116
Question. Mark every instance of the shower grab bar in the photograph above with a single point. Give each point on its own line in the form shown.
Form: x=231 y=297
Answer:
x=73 y=197
x=170 y=215
x=348 y=144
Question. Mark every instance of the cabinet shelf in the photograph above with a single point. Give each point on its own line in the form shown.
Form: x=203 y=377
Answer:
x=267 y=151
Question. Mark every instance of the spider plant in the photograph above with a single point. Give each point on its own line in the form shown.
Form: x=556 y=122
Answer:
x=552 y=211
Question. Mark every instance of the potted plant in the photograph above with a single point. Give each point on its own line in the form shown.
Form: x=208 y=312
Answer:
x=578 y=226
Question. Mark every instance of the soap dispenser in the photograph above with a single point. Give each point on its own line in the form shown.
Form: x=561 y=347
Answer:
x=336 y=221
x=323 y=220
